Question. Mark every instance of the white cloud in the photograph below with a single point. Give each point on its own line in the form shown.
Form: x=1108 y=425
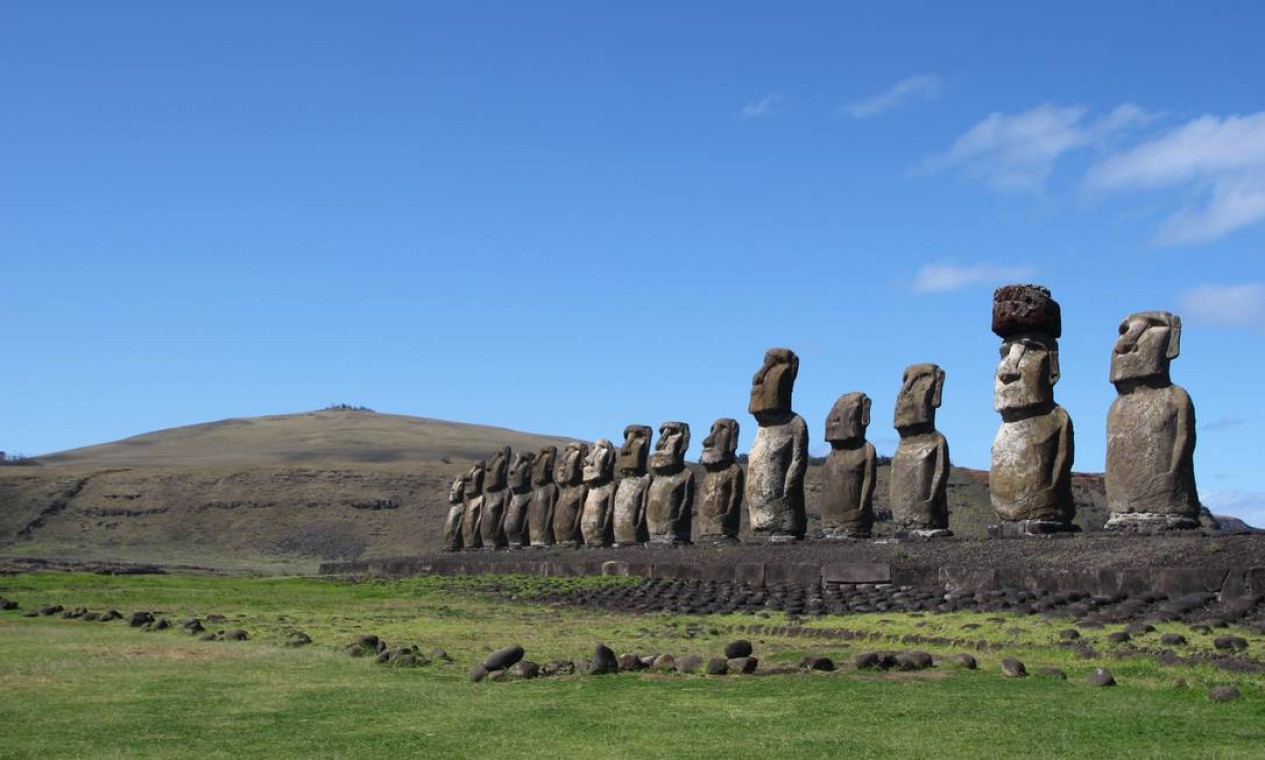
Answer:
x=1221 y=160
x=758 y=109
x=944 y=276
x=1248 y=506
x=1226 y=305
x=917 y=87
x=1016 y=152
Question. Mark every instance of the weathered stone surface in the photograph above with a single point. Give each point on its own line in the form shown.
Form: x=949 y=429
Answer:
x=738 y=648
x=604 y=661
x=964 y=660
x=599 y=497
x=1101 y=677
x=630 y=661
x=503 y=658
x=456 y=510
x=779 y=456
x=664 y=663
x=1224 y=694
x=717 y=666
x=520 y=487
x=495 y=499
x=1012 y=668
x=524 y=669
x=1031 y=473
x=544 y=498
x=920 y=468
x=847 y=480
x=633 y=486
x=744 y=665
x=478 y=673
x=720 y=495
x=471 y=535
x=817 y=663
x=690 y=663
x=1150 y=475
x=569 y=475
x=670 y=498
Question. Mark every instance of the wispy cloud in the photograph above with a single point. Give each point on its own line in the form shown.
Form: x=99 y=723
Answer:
x=1226 y=305
x=917 y=87
x=1220 y=160
x=1248 y=506
x=758 y=109
x=1016 y=152
x=945 y=276
x=1221 y=423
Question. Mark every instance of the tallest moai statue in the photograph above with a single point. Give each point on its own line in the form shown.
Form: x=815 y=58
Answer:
x=1030 y=481
x=1150 y=474
x=779 y=456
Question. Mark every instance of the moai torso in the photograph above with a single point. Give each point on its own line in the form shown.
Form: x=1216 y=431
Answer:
x=544 y=497
x=779 y=455
x=569 y=476
x=495 y=500
x=670 y=498
x=456 y=509
x=1150 y=427
x=471 y=537
x=848 y=477
x=599 y=496
x=633 y=486
x=920 y=467
x=1031 y=475
x=720 y=494
x=520 y=488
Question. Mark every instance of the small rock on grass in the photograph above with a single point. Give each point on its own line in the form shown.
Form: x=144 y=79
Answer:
x=744 y=665
x=630 y=661
x=964 y=660
x=817 y=663
x=717 y=666
x=604 y=661
x=690 y=664
x=1101 y=677
x=1172 y=639
x=1012 y=668
x=478 y=673
x=867 y=661
x=1224 y=694
x=1232 y=643
x=524 y=669
x=236 y=634
x=503 y=658
x=738 y=648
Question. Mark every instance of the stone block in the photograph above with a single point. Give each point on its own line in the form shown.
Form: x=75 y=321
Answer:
x=750 y=573
x=783 y=573
x=856 y=572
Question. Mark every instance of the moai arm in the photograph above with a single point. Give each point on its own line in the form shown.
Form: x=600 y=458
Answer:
x=1184 y=433
x=685 y=510
x=941 y=473
x=1065 y=449
x=869 y=474
x=735 y=495
x=799 y=458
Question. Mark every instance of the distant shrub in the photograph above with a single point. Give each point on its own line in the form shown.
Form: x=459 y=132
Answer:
x=346 y=408
x=18 y=460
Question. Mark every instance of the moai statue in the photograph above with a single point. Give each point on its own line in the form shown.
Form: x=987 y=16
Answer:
x=456 y=509
x=918 y=488
x=779 y=456
x=670 y=501
x=544 y=497
x=599 y=499
x=471 y=538
x=569 y=475
x=1150 y=430
x=720 y=496
x=1030 y=481
x=634 y=483
x=847 y=480
x=496 y=497
x=520 y=487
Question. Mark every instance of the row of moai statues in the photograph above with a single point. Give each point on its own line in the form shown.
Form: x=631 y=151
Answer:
x=579 y=499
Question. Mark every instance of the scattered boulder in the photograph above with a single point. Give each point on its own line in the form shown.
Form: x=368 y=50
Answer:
x=89 y=617
x=524 y=669
x=216 y=619
x=1101 y=677
x=1224 y=694
x=192 y=626
x=1052 y=673
x=1012 y=668
x=236 y=634
x=75 y=614
x=50 y=609
x=298 y=639
x=7 y=604
x=496 y=676
x=440 y=655
x=690 y=664
x=1119 y=637
x=817 y=663
x=630 y=661
x=664 y=663
x=1139 y=629
x=208 y=636
x=558 y=668
x=1200 y=628
x=138 y=619
x=1070 y=634
x=913 y=660
x=739 y=648
x=868 y=661
x=478 y=673
x=1230 y=643
x=503 y=658
x=718 y=666
x=744 y=665
x=964 y=660
x=110 y=614
x=604 y=661
x=1172 y=639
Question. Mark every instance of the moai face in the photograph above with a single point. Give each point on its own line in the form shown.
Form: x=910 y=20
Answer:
x=669 y=452
x=1026 y=375
x=848 y=419
x=721 y=444
x=636 y=449
x=498 y=469
x=474 y=479
x=773 y=384
x=599 y=464
x=570 y=469
x=919 y=397
x=520 y=474
x=542 y=468
x=457 y=490
x=1148 y=343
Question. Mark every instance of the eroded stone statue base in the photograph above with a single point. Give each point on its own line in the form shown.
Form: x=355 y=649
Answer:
x=1022 y=528
x=842 y=534
x=1149 y=522
x=924 y=533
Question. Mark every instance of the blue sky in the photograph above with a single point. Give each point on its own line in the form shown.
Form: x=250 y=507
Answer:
x=567 y=217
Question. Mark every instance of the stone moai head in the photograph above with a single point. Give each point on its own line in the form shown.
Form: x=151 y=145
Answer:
x=520 y=474
x=1149 y=341
x=498 y=469
x=542 y=468
x=636 y=449
x=721 y=444
x=669 y=451
x=457 y=490
x=599 y=464
x=773 y=384
x=920 y=391
x=570 y=469
x=474 y=479
x=848 y=419
x=1029 y=323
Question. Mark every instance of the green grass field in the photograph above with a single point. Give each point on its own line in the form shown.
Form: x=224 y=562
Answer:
x=70 y=688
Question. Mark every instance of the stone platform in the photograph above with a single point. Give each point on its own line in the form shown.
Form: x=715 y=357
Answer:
x=1232 y=567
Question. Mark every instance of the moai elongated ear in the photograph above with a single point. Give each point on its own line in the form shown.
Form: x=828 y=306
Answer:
x=1174 y=337
x=685 y=437
x=865 y=411
x=938 y=389
x=1054 y=366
